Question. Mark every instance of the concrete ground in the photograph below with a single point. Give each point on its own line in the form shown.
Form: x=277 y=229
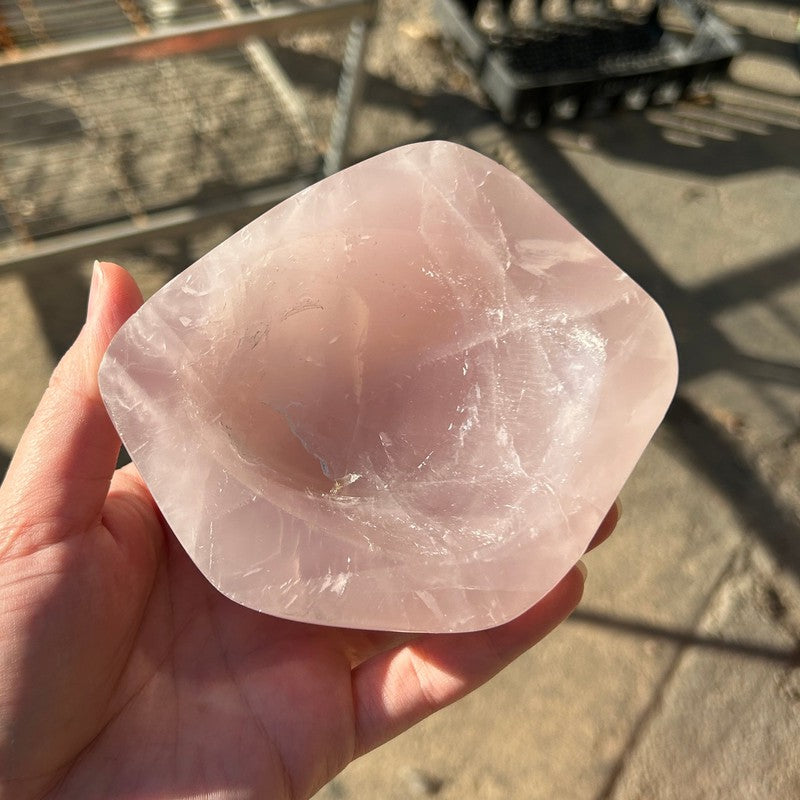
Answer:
x=679 y=675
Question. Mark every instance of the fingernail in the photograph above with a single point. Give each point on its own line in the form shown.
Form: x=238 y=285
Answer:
x=95 y=290
x=618 y=504
x=582 y=569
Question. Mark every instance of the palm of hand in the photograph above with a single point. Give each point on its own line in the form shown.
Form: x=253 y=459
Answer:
x=181 y=692
x=168 y=688
x=130 y=676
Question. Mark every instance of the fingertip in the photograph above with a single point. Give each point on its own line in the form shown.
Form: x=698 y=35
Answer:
x=572 y=586
x=547 y=614
x=607 y=526
x=119 y=297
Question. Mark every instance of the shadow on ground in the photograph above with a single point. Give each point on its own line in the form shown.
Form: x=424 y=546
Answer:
x=684 y=638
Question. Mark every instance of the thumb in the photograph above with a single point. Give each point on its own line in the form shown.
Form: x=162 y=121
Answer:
x=58 y=479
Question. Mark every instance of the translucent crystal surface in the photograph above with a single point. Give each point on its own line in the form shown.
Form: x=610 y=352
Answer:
x=403 y=399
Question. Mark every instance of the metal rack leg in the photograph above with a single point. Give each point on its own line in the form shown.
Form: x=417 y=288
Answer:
x=266 y=66
x=351 y=86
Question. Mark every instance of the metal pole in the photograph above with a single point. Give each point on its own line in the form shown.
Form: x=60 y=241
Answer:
x=351 y=86
x=69 y=247
x=266 y=66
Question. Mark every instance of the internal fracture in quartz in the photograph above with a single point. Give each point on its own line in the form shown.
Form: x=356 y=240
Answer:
x=403 y=399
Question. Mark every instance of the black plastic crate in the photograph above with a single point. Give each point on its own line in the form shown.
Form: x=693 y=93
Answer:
x=574 y=59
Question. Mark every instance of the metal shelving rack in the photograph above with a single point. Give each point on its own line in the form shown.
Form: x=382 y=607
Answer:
x=125 y=119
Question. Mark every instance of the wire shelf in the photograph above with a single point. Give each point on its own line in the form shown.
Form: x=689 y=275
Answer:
x=125 y=142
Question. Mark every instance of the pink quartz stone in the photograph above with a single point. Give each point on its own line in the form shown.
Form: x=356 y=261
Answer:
x=403 y=399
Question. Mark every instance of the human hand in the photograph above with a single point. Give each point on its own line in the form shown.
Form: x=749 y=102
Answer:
x=125 y=674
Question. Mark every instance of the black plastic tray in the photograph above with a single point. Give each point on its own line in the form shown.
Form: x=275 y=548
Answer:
x=587 y=63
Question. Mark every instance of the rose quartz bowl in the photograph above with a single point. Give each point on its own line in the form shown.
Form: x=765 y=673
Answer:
x=403 y=399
